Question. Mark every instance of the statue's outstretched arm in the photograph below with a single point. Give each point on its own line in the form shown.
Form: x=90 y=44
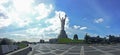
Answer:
x=65 y=16
x=59 y=16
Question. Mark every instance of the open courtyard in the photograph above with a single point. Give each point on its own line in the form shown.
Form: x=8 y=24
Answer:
x=70 y=49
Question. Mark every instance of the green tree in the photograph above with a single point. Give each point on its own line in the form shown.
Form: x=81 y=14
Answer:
x=6 y=41
x=75 y=37
x=98 y=39
x=87 y=38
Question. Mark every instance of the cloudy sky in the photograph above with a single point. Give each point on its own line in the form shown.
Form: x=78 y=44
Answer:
x=33 y=20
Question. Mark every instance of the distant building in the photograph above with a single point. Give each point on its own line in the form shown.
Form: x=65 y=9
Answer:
x=0 y=40
x=42 y=41
x=54 y=40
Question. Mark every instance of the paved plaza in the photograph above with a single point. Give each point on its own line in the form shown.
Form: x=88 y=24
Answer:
x=67 y=49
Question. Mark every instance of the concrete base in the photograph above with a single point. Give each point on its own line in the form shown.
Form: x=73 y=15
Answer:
x=62 y=34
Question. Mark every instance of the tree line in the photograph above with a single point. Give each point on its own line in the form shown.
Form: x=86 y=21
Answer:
x=6 y=41
x=109 y=39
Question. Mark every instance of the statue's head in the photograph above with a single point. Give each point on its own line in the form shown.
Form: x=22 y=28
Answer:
x=63 y=18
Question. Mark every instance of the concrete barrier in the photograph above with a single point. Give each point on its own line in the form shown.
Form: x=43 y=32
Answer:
x=1 y=53
x=23 y=51
x=12 y=47
x=7 y=48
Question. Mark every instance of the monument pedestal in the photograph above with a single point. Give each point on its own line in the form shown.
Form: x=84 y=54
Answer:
x=62 y=34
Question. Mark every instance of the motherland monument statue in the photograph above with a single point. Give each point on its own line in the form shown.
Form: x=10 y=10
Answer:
x=62 y=31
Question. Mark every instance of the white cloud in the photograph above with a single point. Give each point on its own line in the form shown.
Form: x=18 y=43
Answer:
x=79 y=27
x=14 y=11
x=43 y=10
x=22 y=5
x=55 y=21
x=83 y=28
x=100 y=20
x=52 y=30
x=21 y=15
x=34 y=31
x=3 y=1
x=23 y=12
x=4 y=22
x=21 y=35
x=76 y=27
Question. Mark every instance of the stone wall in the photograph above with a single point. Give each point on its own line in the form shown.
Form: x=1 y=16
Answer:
x=10 y=50
x=23 y=51
x=7 y=48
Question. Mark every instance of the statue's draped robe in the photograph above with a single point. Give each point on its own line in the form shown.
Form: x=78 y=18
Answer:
x=62 y=31
x=62 y=23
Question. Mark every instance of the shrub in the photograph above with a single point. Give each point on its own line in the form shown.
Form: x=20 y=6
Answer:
x=75 y=37
x=64 y=40
x=6 y=41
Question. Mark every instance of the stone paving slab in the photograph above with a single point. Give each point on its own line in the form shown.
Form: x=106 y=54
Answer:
x=48 y=54
x=45 y=50
x=116 y=52
x=88 y=48
x=58 y=52
x=107 y=49
x=62 y=49
x=74 y=51
x=72 y=54
x=94 y=53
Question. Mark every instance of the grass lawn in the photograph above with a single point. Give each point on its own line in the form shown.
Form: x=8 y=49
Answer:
x=67 y=40
x=22 y=45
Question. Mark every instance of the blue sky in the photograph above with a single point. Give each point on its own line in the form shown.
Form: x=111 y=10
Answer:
x=33 y=20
